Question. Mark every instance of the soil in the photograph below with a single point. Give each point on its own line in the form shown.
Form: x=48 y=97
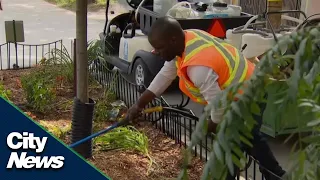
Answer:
x=116 y=164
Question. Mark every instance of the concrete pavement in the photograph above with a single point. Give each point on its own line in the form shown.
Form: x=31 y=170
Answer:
x=44 y=22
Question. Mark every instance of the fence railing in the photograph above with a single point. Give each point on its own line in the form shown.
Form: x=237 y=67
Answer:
x=15 y=56
x=177 y=124
x=260 y=6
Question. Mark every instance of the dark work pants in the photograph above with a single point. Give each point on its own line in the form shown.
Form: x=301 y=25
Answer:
x=261 y=152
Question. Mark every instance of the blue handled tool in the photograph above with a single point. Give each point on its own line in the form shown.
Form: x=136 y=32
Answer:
x=95 y=135
x=115 y=125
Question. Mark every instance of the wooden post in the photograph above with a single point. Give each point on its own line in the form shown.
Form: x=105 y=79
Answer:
x=74 y=67
x=235 y=2
x=275 y=19
x=81 y=50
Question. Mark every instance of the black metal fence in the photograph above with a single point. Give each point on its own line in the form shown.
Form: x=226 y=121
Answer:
x=260 y=6
x=14 y=56
x=177 y=124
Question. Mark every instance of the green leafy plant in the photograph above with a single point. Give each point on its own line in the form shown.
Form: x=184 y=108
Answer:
x=124 y=138
x=103 y=106
x=95 y=50
x=63 y=60
x=39 y=90
x=56 y=130
x=293 y=78
x=5 y=93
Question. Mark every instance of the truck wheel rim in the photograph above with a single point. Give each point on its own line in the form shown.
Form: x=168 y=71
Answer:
x=139 y=75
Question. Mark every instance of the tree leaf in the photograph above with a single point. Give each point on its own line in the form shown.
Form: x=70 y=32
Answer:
x=246 y=141
x=280 y=101
x=314 y=122
x=238 y=151
x=236 y=161
x=228 y=117
x=255 y=108
x=218 y=152
x=236 y=109
x=302 y=158
x=208 y=167
x=245 y=131
x=316 y=91
x=312 y=74
x=311 y=139
x=223 y=142
x=230 y=163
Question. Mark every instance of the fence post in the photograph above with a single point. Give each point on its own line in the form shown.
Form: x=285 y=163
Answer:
x=275 y=19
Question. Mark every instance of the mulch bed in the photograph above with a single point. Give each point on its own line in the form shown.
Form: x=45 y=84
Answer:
x=118 y=165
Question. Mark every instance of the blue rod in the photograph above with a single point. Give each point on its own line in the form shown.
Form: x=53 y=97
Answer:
x=95 y=135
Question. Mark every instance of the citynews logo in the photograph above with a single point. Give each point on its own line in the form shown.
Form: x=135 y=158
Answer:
x=27 y=141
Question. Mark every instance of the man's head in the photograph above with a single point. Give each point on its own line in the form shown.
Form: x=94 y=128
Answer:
x=167 y=38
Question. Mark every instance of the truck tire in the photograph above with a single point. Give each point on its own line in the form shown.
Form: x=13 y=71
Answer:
x=141 y=72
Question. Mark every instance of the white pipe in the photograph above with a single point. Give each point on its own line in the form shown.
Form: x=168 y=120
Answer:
x=250 y=21
x=289 y=18
x=137 y=10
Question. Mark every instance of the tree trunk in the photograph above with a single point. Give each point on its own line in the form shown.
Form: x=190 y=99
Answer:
x=82 y=54
x=91 y=1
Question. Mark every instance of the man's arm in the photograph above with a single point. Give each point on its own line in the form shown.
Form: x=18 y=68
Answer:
x=159 y=84
x=206 y=80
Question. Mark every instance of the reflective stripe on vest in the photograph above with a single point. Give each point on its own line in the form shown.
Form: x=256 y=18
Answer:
x=237 y=64
x=193 y=90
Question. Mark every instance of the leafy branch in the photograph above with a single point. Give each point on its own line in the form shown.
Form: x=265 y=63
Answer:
x=289 y=75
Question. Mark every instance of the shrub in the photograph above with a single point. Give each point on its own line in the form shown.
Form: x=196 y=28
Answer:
x=39 y=89
x=6 y=94
x=61 y=62
x=102 y=108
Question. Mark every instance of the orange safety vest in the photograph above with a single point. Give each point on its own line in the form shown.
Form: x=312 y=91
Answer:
x=206 y=50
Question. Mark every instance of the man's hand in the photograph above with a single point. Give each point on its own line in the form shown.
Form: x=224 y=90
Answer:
x=133 y=112
x=136 y=109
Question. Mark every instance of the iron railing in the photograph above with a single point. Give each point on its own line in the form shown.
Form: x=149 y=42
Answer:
x=177 y=124
x=15 y=56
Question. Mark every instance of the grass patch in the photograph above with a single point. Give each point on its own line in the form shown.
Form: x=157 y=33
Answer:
x=4 y=92
x=125 y=138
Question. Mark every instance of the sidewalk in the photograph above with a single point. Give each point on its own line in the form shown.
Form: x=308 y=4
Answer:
x=45 y=22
